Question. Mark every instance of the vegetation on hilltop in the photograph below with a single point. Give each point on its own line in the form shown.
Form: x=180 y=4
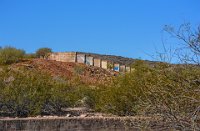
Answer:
x=9 y=55
x=43 y=52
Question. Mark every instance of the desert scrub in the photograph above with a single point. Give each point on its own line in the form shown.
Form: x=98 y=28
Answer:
x=25 y=92
x=9 y=55
x=169 y=90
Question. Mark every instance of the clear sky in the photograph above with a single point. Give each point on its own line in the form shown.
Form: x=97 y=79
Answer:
x=128 y=28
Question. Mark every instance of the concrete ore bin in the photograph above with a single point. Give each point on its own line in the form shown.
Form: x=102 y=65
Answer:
x=116 y=67
x=122 y=68
x=128 y=69
x=80 y=58
x=63 y=56
x=89 y=60
x=97 y=62
x=104 y=64
x=70 y=57
x=52 y=56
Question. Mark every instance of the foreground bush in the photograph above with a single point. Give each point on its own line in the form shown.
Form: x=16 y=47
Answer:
x=25 y=92
x=10 y=55
x=169 y=91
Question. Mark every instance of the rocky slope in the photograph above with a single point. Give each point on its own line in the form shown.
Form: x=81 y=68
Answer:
x=70 y=71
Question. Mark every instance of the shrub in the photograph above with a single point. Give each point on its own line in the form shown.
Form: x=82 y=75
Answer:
x=25 y=92
x=168 y=90
x=10 y=55
x=43 y=52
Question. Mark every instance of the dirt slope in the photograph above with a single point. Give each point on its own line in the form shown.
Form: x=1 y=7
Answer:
x=70 y=71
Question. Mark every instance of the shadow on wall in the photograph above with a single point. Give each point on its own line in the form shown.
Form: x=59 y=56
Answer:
x=88 y=60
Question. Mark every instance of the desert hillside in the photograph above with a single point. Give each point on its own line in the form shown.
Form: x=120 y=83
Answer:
x=69 y=70
x=35 y=87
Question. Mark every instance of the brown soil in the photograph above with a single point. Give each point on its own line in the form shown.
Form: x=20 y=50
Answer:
x=71 y=71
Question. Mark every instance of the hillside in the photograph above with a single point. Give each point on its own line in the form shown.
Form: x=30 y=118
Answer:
x=45 y=87
x=86 y=74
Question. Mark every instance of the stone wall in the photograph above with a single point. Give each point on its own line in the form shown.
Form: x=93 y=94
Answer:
x=88 y=60
x=73 y=124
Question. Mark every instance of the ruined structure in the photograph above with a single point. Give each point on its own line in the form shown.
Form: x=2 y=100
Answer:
x=87 y=59
x=80 y=124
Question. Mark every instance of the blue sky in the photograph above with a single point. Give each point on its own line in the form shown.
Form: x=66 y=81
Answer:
x=131 y=28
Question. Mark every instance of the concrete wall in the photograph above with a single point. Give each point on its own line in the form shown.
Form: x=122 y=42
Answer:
x=64 y=56
x=72 y=124
x=122 y=68
x=116 y=67
x=80 y=58
x=97 y=62
x=104 y=64
x=128 y=69
x=52 y=56
x=88 y=60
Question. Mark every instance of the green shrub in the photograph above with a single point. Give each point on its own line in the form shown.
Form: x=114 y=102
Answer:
x=10 y=55
x=168 y=90
x=25 y=92
x=171 y=91
x=43 y=52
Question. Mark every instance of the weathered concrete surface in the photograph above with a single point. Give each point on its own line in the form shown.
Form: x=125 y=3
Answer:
x=89 y=60
x=63 y=56
x=116 y=67
x=72 y=124
x=104 y=64
x=128 y=69
x=97 y=62
x=81 y=58
x=122 y=68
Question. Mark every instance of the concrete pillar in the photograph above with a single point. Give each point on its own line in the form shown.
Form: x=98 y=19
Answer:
x=80 y=58
x=97 y=62
x=122 y=68
x=128 y=69
x=104 y=64
x=89 y=60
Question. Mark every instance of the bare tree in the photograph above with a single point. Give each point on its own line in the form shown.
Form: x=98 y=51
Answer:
x=189 y=52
